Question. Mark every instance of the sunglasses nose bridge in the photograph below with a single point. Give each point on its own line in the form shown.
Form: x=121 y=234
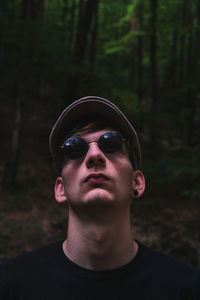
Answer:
x=93 y=146
x=92 y=142
x=95 y=157
x=94 y=153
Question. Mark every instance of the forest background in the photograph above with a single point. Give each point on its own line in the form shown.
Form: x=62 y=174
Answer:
x=142 y=54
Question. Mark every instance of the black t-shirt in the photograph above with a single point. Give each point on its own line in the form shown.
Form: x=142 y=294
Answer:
x=47 y=274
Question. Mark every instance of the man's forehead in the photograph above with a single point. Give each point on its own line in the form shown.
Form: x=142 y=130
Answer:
x=88 y=131
x=91 y=127
x=93 y=135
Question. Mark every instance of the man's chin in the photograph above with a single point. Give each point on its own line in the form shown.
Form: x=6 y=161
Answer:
x=98 y=195
x=96 y=200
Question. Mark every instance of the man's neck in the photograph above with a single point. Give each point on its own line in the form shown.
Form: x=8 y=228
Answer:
x=100 y=245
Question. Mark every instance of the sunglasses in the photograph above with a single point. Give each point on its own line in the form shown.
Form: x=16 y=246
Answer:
x=76 y=147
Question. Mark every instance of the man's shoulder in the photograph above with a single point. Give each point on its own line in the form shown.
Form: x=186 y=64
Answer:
x=169 y=269
x=27 y=261
x=28 y=272
x=164 y=261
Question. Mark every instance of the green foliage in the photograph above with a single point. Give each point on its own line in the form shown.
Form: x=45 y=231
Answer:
x=118 y=46
x=179 y=169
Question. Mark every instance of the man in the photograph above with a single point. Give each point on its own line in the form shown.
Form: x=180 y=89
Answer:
x=98 y=154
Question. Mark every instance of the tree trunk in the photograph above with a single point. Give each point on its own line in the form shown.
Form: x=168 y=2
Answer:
x=92 y=54
x=2 y=22
x=171 y=73
x=31 y=8
x=65 y=10
x=182 y=44
x=45 y=7
x=190 y=95
x=153 y=70
x=140 y=55
x=86 y=13
x=193 y=80
x=85 y=17
x=197 y=42
x=71 y=26
x=3 y=8
x=11 y=168
x=132 y=54
x=26 y=9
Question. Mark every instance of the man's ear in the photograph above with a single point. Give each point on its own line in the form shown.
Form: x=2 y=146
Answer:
x=59 y=190
x=138 y=184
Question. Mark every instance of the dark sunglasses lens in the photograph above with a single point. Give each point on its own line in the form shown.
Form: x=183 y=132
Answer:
x=110 y=142
x=75 y=147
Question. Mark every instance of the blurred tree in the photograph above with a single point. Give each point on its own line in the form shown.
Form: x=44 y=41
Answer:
x=87 y=11
x=140 y=12
x=132 y=47
x=45 y=7
x=154 y=70
x=11 y=167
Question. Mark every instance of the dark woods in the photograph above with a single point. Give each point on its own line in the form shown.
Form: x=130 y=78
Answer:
x=144 y=55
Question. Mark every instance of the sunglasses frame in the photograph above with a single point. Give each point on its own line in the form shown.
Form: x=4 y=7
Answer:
x=116 y=133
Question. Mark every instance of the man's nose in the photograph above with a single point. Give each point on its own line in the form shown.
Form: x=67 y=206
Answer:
x=94 y=156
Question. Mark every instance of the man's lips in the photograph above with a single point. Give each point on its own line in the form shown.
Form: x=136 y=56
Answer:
x=96 y=178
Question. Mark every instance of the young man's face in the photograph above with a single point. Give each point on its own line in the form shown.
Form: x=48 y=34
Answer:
x=98 y=179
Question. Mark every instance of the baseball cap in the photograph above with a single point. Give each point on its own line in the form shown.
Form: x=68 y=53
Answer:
x=82 y=109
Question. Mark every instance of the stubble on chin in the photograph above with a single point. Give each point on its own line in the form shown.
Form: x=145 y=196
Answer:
x=93 y=203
